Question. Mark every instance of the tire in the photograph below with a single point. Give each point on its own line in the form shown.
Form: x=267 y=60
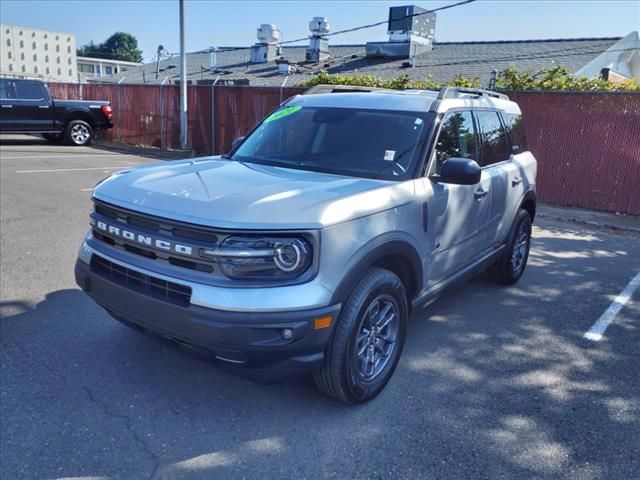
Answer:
x=78 y=133
x=511 y=264
x=53 y=137
x=345 y=375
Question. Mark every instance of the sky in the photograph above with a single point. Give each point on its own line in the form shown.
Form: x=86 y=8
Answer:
x=234 y=23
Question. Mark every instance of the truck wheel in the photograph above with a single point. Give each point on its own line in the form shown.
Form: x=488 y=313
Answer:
x=53 y=137
x=510 y=265
x=367 y=341
x=78 y=132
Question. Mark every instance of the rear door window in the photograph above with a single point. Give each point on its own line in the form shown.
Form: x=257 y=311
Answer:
x=493 y=138
x=28 y=91
x=457 y=138
x=516 y=133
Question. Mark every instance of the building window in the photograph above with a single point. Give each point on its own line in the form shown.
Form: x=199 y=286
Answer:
x=11 y=67
x=24 y=69
x=46 y=46
x=46 y=36
x=47 y=70
x=57 y=48
x=70 y=72
x=46 y=58
x=33 y=45
x=35 y=57
x=8 y=42
x=69 y=61
x=9 y=54
x=108 y=70
x=58 y=60
x=59 y=71
x=7 y=31
x=21 y=43
x=33 y=34
x=35 y=69
x=68 y=39
x=68 y=49
x=22 y=56
x=20 y=33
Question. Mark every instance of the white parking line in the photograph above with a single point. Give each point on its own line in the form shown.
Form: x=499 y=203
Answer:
x=88 y=154
x=86 y=189
x=597 y=330
x=73 y=169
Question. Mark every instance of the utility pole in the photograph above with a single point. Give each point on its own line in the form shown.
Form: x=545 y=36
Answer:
x=183 y=83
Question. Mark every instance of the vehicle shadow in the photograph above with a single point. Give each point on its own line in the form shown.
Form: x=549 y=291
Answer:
x=494 y=382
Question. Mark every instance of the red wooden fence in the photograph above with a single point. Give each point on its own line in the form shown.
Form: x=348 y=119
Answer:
x=587 y=144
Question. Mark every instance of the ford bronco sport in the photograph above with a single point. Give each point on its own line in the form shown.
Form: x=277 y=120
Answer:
x=305 y=249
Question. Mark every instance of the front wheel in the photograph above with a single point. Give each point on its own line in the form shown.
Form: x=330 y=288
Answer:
x=368 y=339
x=78 y=132
x=510 y=265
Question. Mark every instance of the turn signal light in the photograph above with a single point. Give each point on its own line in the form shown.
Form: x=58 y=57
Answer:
x=322 y=322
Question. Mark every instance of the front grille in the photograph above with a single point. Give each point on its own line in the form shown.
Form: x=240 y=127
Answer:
x=146 y=284
x=164 y=229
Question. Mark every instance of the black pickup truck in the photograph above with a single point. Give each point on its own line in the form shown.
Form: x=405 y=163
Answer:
x=27 y=107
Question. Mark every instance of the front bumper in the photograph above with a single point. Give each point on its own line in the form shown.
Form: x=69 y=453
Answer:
x=250 y=344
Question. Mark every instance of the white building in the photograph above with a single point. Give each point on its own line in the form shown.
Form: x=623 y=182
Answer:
x=94 y=68
x=38 y=53
x=623 y=58
x=50 y=56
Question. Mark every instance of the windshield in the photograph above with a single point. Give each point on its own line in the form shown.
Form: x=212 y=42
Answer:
x=344 y=141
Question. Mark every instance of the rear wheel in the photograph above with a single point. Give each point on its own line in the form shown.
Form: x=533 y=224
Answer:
x=78 y=132
x=511 y=264
x=368 y=339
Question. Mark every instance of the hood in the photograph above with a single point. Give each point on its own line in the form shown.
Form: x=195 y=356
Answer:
x=229 y=194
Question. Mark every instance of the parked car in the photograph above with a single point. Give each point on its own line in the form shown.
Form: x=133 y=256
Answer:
x=306 y=248
x=27 y=107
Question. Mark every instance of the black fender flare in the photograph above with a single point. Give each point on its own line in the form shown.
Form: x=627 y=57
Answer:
x=387 y=245
x=530 y=197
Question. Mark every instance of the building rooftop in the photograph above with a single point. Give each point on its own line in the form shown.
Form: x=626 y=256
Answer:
x=443 y=63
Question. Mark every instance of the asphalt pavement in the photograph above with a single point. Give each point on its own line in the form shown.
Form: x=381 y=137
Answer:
x=494 y=383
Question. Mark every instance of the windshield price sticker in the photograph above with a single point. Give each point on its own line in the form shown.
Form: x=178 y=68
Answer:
x=282 y=113
x=389 y=155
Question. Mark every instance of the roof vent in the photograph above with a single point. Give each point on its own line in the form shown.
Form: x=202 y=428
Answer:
x=214 y=59
x=318 y=41
x=411 y=32
x=266 y=49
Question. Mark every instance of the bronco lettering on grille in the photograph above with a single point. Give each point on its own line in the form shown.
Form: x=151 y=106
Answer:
x=144 y=239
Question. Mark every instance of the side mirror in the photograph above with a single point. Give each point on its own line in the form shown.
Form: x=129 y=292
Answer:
x=236 y=143
x=458 y=171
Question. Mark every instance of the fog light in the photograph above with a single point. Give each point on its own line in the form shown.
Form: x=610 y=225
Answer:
x=287 y=333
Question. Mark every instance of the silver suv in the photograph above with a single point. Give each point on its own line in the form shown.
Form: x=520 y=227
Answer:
x=305 y=249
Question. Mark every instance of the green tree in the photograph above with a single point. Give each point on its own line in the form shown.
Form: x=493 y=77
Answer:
x=119 y=46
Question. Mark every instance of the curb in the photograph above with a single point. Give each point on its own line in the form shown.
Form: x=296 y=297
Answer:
x=591 y=223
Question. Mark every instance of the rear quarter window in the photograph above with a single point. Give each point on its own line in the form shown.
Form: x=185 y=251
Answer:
x=516 y=133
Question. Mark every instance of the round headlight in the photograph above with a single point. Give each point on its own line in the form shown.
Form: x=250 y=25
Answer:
x=288 y=256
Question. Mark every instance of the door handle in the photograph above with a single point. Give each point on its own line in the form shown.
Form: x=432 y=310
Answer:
x=480 y=194
x=7 y=106
x=43 y=106
x=516 y=181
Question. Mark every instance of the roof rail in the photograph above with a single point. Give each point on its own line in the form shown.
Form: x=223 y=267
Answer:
x=341 y=89
x=455 y=92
